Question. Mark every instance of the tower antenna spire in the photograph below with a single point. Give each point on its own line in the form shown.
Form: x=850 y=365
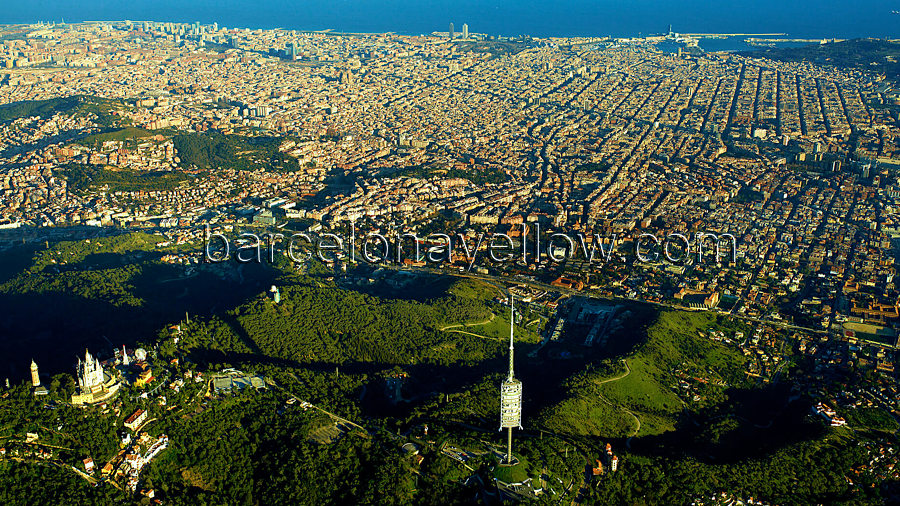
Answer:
x=512 y=321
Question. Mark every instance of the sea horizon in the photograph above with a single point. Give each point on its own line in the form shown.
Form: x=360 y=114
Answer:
x=573 y=18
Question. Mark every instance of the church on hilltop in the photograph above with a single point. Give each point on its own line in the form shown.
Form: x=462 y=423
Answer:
x=95 y=384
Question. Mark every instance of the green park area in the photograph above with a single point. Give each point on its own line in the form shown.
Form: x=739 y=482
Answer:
x=343 y=351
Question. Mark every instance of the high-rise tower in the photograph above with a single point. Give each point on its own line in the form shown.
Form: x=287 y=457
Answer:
x=452 y=33
x=510 y=392
x=465 y=34
x=36 y=387
x=35 y=377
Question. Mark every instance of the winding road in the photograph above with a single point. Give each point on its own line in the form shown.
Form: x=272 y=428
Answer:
x=455 y=328
x=617 y=378
x=604 y=399
x=475 y=324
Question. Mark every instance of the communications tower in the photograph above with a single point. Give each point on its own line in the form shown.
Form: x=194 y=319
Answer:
x=510 y=393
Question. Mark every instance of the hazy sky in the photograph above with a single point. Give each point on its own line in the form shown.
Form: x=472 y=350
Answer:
x=505 y=17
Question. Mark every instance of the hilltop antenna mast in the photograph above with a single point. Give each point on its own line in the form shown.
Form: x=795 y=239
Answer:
x=512 y=320
x=510 y=391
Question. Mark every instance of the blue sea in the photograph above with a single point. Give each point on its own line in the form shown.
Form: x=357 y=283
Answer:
x=800 y=19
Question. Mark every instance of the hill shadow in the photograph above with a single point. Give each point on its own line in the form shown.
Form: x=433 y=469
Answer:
x=54 y=327
x=16 y=259
x=752 y=423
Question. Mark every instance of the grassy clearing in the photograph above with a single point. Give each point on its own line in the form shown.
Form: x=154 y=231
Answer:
x=499 y=328
x=600 y=400
x=588 y=415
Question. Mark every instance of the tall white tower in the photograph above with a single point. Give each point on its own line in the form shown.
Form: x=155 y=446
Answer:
x=465 y=31
x=510 y=392
x=35 y=377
